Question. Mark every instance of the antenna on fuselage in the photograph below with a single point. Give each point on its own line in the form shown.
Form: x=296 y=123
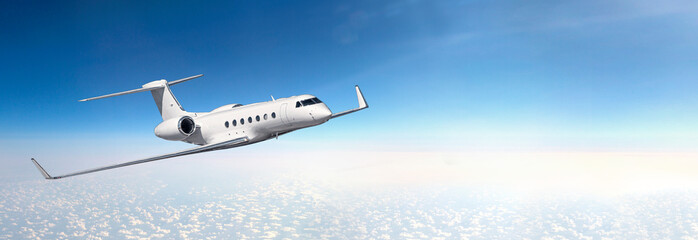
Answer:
x=272 y=97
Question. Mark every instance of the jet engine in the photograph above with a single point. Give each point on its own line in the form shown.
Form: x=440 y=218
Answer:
x=176 y=129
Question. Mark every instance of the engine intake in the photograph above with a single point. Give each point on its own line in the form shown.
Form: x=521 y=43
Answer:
x=176 y=129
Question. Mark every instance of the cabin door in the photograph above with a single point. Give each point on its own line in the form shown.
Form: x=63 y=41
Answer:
x=284 y=114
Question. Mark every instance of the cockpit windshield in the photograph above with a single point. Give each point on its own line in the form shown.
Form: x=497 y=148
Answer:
x=307 y=102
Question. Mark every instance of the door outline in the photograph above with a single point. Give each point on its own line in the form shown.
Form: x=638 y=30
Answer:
x=284 y=113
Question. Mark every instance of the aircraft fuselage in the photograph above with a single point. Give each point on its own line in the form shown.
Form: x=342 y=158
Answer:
x=258 y=121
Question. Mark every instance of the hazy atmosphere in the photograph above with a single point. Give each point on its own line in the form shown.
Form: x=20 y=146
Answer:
x=487 y=119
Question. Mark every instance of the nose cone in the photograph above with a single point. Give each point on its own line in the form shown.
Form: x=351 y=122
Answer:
x=324 y=112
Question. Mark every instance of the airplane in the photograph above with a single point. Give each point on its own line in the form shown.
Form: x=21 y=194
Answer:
x=228 y=126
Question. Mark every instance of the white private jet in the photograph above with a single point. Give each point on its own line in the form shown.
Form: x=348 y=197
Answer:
x=229 y=126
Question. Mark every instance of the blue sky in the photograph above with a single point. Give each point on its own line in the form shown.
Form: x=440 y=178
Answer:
x=438 y=75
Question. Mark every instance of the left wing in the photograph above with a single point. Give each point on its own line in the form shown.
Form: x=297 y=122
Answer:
x=204 y=148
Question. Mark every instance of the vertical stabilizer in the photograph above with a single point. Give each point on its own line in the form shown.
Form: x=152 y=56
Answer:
x=167 y=104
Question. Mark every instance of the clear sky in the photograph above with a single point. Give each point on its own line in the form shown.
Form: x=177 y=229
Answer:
x=438 y=75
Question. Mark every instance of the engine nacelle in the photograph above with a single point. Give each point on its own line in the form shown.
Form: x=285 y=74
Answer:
x=176 y=129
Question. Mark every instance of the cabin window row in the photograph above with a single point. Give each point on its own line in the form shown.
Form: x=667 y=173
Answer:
x=249 y=120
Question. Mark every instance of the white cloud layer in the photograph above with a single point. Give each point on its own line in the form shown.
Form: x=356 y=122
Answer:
x=370 y=195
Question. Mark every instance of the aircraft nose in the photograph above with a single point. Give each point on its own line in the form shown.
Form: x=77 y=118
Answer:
x=324 y=113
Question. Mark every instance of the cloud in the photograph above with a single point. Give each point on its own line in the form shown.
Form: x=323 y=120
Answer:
x=404 y=195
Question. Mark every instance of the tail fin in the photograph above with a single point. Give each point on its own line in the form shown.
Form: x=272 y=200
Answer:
x=167 y=104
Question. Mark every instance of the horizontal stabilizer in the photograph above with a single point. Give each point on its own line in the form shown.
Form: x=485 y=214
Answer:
x=120 y=93
x=148 y=87
x=183 y=80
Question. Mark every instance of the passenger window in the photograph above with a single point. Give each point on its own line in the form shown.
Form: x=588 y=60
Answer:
x=273 y=115
x=265 y=116
x=249 y=119
x=235 y=123
x=242 y=121
x=226 y=124
x=298 y=104
x=257 y=118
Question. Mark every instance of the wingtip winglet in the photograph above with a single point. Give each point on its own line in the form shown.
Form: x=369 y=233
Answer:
x=362 y=104
x=360 y=96
x=41 y=169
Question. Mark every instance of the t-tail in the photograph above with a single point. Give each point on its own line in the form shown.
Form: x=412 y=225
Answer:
x=167 y=104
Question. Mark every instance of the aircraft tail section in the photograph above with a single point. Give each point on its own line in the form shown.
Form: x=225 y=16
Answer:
x=167 y=104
